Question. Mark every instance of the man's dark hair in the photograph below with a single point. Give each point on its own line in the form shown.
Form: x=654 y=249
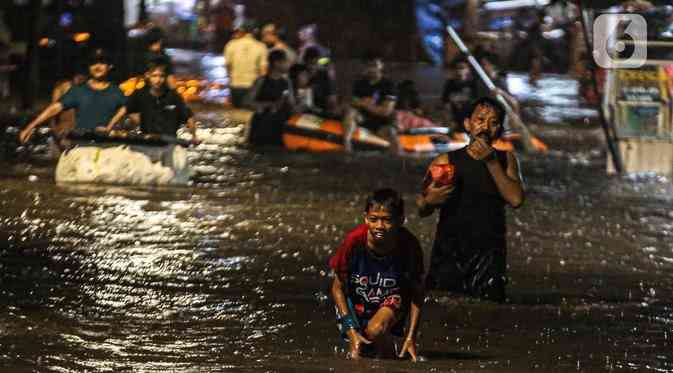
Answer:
x=311 y=53
x=154 y=35
x=454 y=62
x=389 y=199
x=276 y=56
x=157 y=63
x=500 y=111
x=99 y=55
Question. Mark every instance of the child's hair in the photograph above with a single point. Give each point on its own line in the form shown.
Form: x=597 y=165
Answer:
x=155 y=64
x=389 y=199
x=276 y=56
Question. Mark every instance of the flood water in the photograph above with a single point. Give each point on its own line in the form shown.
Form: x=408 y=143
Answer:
x=231 y=273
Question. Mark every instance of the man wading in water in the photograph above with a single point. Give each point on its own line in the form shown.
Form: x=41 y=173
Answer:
x=471 y=186
x=378 y=279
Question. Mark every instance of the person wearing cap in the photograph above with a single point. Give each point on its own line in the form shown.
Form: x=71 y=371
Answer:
x=246 y=60
x=272 y=37
x=96 y=102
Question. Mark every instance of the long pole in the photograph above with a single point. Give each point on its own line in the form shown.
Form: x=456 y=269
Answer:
x=514 y=117
x=610 y=137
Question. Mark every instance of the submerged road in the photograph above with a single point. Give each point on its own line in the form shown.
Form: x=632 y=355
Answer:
x=230 y=274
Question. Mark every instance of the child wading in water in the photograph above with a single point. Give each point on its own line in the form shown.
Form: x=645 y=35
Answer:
x=379 y=279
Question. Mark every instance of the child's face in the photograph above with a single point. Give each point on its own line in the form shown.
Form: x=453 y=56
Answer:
x=381 y=223
x=156 y=78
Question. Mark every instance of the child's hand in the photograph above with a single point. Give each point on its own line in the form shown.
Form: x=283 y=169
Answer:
x=356 y=343
x=410 y=347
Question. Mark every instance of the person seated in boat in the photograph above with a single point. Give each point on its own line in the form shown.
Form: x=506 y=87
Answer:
x=408 y=111
x=490 y=63
x=322 y=84
x=460 y=88
x=378 y=280
x=97 y=102
x=157 y=108
x=373 y=105
x=303 y=92
x=272 y=99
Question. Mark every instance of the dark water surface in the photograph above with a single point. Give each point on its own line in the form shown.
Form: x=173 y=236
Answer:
x=230 y=274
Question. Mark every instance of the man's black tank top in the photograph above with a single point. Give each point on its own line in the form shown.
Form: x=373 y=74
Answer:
x=475 y=210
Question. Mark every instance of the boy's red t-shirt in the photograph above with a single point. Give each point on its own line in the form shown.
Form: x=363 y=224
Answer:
x=371 y=281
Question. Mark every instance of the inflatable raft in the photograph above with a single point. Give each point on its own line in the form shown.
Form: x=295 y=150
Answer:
x=311 y=133
x=122 y=158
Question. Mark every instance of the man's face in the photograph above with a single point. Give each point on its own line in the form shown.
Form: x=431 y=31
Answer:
x=381 y=223
x=463 y=72
x=99 y=70
x=156 y=78
x=374 y=70
x=155 y=47
x=484 y=120
x=269 y=38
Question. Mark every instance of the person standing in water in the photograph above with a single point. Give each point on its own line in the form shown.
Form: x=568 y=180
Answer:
x=378 y=280
x=471 y=187
x=97 y=102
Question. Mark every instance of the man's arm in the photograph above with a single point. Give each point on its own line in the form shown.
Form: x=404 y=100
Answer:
x=45 y=115
x=508 y=181
x=433 y=196
x=116 y=118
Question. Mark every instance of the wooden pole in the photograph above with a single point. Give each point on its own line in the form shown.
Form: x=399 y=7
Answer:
x=608 y=130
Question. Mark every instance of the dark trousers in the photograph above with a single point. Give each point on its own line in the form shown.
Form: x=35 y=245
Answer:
x=267 y=128
x=238 y=96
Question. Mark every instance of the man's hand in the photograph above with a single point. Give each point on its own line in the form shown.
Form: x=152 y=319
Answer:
x=356 y=343
x=102 y=129
x=410 y=347
x=25 y=134
x=480 y=150
x=437 y=195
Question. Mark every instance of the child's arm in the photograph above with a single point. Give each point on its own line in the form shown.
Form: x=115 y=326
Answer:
x=356 y=339
x=409 y=345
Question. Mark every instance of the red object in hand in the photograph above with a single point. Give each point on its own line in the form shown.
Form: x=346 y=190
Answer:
x=443 y=174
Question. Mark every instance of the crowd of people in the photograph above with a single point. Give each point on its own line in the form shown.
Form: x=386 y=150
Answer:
x=270 y=78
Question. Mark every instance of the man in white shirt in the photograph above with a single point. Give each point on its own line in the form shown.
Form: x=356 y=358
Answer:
x=246 y=60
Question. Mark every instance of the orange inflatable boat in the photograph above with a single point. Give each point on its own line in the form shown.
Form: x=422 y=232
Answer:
x=311 y=133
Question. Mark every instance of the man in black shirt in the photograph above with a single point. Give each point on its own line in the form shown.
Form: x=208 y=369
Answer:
x=373 y=105
x=459 y=90
x=471 y=187
x=272 y=100
x=157 y=108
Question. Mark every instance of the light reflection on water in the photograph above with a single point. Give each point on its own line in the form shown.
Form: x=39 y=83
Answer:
x=230 y=275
